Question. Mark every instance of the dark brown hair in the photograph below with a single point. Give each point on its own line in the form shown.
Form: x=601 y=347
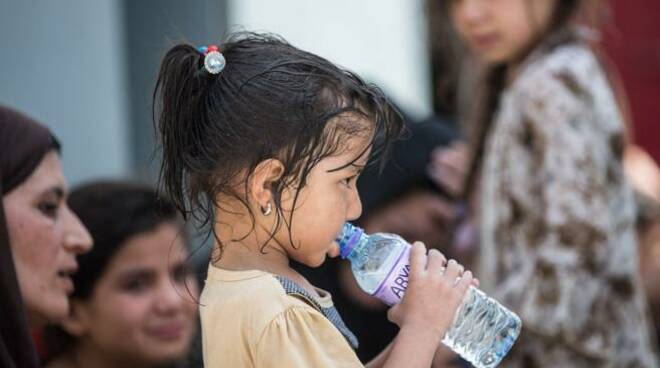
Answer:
x=272 y=100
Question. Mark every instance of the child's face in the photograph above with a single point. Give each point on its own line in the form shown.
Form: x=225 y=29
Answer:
x=329 y=199
x=141 y=309
x=497 y=31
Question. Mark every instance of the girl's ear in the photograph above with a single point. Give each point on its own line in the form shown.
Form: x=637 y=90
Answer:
x=77 y=322
x=261 y=182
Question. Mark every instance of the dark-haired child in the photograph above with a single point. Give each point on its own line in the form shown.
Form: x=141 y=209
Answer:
x=264 y=142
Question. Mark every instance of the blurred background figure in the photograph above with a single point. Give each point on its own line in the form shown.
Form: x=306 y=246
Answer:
x=135 y=300
x=39 y=236
x=555 y=213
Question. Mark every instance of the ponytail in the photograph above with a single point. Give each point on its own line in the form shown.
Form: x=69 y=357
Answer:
x=179 y=97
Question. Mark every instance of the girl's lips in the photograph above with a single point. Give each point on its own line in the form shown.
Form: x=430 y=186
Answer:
x=484 y=42
x=168 y=331
x=334 y=250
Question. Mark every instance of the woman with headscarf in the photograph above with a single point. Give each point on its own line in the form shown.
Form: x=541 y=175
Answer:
x=39 y=236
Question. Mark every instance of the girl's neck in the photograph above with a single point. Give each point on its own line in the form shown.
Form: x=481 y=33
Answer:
x=239 y=256
x=256 y=251
x=512 y=71
x=89 y=357
x=247 y=246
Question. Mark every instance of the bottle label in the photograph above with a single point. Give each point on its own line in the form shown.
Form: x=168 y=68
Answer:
x=394 y=285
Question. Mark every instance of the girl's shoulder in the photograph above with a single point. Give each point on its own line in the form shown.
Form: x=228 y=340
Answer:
x=255 y=295
x=247 y=289
x=571 y=65
x=566 y=79
x=575 y=56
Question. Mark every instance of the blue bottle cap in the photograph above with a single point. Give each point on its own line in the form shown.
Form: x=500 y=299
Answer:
x=349 y=237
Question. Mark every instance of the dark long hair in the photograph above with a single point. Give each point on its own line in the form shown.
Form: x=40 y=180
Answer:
x=272 y=100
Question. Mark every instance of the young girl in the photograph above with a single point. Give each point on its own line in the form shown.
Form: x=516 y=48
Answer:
x=557 y=217
x=267 y=149
x=134 y=301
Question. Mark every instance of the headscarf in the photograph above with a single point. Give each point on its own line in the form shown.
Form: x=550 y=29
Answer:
x=23 y=144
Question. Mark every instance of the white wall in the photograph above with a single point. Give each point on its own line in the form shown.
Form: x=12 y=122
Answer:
x=62 y=62
x=382 y=40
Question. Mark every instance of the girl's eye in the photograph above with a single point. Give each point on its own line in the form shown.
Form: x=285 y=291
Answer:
x=49 y=208
x=350 y=180
x=135 y=286
x=181 y=273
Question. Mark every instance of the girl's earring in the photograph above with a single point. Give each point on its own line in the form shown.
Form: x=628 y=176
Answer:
x=266 y=211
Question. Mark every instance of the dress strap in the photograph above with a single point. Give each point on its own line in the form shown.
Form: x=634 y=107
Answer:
x=297 y=291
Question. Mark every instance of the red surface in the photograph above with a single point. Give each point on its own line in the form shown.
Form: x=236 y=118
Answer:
x=632 y=41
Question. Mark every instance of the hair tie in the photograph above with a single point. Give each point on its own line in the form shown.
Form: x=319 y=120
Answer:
x=214 y=62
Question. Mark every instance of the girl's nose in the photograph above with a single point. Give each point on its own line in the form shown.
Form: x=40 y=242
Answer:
x=354 y=208
x=471 y=11
x=169 y=300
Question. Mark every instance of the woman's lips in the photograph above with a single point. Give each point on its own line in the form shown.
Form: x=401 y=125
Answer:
x=65 y=281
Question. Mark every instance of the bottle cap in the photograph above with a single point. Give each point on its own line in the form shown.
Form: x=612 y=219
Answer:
x=349 y=237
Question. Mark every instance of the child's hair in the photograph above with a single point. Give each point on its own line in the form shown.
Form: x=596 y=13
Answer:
x=271 y=100
x=113 y=212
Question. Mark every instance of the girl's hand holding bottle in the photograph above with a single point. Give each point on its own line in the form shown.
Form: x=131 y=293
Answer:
x=435 y=290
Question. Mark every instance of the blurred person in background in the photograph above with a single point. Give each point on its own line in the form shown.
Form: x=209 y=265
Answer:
x=555 y=212
x=39 y=236
x=134 y=303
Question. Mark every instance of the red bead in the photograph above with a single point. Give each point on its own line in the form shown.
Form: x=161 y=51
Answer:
x=212 y=48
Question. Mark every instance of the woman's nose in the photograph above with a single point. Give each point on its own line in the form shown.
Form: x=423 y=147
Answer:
x=77 y=239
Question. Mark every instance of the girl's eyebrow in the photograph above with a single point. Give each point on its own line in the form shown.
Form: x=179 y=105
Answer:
x=136 y=272
x=352 y=162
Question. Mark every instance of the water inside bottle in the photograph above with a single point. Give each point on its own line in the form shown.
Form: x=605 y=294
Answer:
x=372 y=266
x=483 y=331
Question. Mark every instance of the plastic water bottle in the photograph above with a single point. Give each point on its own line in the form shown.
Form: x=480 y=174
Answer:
x=483 y=330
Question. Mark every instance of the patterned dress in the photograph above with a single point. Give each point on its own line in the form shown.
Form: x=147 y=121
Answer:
x=558 y=218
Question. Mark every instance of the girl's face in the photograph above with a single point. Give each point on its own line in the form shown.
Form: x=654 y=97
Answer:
x=329 y=199
x=141 y=309
x=45 y=238
x=498 y=31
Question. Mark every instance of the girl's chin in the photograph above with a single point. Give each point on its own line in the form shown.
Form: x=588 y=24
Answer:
x=334 y=250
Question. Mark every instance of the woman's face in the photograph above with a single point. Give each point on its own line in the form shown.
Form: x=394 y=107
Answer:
x=45 y=238
x=498 y=31
x=143 y=307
